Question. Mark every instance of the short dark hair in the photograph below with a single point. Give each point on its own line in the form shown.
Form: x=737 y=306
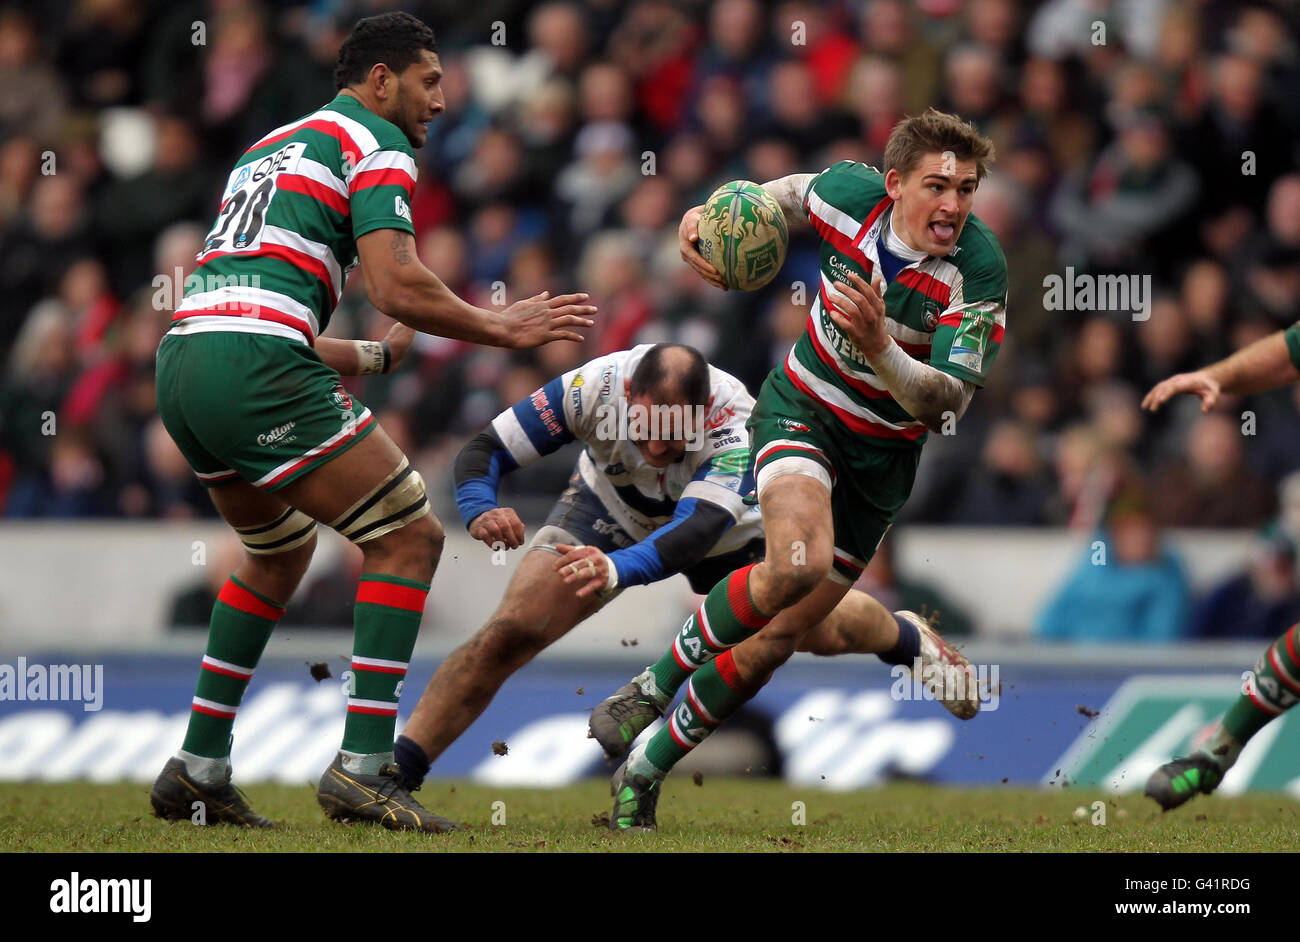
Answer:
x=668 y=376
x=395 y=39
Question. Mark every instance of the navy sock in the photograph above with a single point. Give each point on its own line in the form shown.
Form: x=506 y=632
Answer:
x=908 y=647
x=412 y=761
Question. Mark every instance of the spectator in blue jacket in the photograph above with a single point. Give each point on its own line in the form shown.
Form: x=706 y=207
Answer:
x=1129 y=587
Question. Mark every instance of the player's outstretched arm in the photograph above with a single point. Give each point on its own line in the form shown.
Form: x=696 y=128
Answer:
x=675 y=547
x=1265 y=364
x=400 y=286
x=926 y=393
x=360 y=357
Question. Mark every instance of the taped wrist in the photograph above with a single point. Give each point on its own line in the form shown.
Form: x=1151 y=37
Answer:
x=372 y=356
x=922 y=390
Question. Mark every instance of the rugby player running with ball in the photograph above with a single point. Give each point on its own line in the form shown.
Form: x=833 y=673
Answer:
x=906 y=323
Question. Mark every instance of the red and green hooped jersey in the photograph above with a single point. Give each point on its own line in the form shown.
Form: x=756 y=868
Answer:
x=949 y=312
x=293 y=207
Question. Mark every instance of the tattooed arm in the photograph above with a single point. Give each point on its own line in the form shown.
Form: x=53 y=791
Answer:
x=399 y=285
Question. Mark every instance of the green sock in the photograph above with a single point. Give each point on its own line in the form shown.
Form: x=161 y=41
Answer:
x=714 y=693
x=1272 y=690
x=242 y=622
x=387 y=620
x=726 y=617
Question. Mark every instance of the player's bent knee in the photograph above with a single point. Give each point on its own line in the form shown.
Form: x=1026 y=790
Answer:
x=827 y=640
x=769 y=649
x=429 y=531
x=551 y=536
x=293 y=560
x=780 y=649
x=438 y=535
x=789 y=582
x=418 y=544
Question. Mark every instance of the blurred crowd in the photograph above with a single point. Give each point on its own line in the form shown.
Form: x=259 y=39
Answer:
x=1151 y=137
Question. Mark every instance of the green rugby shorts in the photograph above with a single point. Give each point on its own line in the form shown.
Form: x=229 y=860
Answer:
x=262 y=408
x=792 y=434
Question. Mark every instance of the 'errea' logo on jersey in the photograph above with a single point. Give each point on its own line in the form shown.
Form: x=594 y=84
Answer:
x=401 y=209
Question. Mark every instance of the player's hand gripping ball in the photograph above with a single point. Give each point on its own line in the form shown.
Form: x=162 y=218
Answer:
x=742 y=233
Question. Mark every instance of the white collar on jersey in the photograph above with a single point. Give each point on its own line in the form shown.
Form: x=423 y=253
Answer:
x=895 y=243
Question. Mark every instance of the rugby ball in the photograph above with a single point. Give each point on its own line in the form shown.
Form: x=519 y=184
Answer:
x=743 y=235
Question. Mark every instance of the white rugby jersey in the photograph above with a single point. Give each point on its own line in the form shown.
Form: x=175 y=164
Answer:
x=590 y=404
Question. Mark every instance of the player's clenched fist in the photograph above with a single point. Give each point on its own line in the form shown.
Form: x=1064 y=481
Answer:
x=500 y=525
x=688 y=233
x=1200 y=383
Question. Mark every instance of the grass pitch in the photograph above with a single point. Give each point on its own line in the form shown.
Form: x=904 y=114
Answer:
x=718 y=815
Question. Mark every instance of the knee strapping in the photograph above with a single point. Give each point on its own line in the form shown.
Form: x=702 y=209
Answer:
x=287 y=532
x=397 y=501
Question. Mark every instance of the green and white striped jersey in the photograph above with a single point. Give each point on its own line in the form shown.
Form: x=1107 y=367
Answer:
x=294 y=206
x=949 y=312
